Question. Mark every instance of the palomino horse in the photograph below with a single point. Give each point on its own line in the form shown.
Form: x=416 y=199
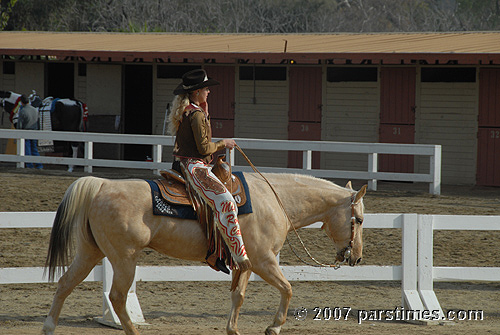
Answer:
x=114 y=218
x=66 y=114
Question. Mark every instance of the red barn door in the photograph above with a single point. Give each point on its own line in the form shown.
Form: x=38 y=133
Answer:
x=304 y=110
x=397 y=116
x=488 y=157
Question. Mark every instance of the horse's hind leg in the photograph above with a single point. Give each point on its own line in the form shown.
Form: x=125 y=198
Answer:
x=74 y=147
x=237 y=297
x=269 y=271
x=86 y=258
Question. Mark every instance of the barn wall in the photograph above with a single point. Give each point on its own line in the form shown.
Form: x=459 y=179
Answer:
x=32 y=77
x=351 y=114
x=447 y=116
x=104 y=101
x=80 y=85
x=267 y=118
x=104 y=89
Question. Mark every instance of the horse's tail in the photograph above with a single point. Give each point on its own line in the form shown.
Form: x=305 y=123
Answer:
x=73 y=212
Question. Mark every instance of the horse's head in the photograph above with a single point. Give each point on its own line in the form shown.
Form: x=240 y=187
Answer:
x=9 y=100
x=345 y=227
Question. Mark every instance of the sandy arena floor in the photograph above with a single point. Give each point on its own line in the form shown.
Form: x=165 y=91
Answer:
x=202 y=307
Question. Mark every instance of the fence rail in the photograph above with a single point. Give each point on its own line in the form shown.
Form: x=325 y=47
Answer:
x=372 y=150
x=416 y=275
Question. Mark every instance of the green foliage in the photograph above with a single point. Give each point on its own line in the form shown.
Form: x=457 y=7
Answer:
x=6 y=8
x=250 y=16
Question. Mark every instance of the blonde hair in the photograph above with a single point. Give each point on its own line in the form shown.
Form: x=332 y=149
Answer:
x=179 y=103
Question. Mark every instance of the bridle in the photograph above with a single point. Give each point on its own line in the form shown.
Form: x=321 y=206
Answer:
x=346 y=251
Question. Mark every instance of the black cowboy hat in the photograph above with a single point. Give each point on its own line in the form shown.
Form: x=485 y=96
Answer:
x=194 y=80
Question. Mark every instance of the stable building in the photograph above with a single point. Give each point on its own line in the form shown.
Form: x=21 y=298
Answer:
x=426 y=88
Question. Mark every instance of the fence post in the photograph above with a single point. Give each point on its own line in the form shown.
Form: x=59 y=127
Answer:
x=89 y=155
x=230 y=157
x=157 y=153
x=307 y=159
x=109 y=317
x=20 y=151
x=425 y=264
x=372 y=167
x=435 y=171
x=410 y=297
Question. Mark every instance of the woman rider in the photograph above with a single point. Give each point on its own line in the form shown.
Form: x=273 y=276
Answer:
x=189 y=121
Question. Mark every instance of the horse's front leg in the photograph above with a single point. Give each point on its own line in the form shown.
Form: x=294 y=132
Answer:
x=270 y=271
x=237 y=297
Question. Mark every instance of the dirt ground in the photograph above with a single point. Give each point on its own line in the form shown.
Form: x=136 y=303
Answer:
x=203 y=307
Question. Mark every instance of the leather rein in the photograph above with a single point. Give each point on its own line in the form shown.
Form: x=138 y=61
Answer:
x=346 y=251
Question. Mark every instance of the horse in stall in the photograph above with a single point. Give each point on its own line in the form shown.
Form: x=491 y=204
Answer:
x=114 y=219
x=65 y=114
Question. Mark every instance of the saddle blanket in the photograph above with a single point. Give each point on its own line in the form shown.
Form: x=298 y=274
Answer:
x=165 y=208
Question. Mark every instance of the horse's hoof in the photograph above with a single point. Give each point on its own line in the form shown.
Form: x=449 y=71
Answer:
x=48 y=326
x=273 y=330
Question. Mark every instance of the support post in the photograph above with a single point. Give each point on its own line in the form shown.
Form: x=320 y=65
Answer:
x=21 y=151
x=157 y=154
x=109 y=317
x=230 y=157
x=89 y=155
x=410 y=297
x=307 y=160
x=435 y=170
x=373 y=168
x=425 y=264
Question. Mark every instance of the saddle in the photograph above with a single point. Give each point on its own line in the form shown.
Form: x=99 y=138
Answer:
x=173 y=186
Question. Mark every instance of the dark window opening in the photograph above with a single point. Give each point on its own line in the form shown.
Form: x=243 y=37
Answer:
x=9 y=68
x=448 y=75
x=174 y=71
x=262 y=73
x=340 y=74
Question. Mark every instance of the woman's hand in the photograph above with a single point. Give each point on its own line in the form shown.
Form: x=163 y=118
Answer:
x=229 y=143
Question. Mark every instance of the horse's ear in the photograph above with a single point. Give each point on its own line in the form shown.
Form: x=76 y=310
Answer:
x=348 y=185
x=361 y=193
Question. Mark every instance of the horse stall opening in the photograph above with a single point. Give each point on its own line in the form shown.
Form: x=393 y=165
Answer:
x=137 y=108
x=60 y=83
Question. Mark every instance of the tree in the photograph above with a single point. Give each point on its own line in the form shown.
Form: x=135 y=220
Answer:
x=6 y=7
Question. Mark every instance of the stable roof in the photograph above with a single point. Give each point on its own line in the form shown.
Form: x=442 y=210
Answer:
x=460 y=47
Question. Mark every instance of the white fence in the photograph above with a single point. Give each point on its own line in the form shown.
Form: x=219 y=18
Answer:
x=416 y=278
x=372 y=150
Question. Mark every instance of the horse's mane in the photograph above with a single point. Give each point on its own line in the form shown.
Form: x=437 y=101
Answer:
x=308 y=180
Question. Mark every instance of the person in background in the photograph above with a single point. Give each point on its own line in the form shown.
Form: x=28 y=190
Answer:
x=189 y=121
x=28 y=119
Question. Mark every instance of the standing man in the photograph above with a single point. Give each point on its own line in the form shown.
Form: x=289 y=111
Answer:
x=29 y=120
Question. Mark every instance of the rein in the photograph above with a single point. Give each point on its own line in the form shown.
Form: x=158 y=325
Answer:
x=346 y=251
